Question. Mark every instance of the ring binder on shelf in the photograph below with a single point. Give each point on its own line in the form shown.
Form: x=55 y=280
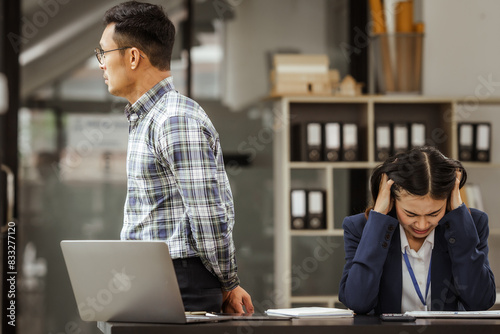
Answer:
x=295 y=142
x=314 y=141
x=400 y=138
x=417 y=135
x=298 y=206
x=350 y=142
x=466 y=141
x=316 y=218
x=483 y=142
x=382 y=141
x=332 y=141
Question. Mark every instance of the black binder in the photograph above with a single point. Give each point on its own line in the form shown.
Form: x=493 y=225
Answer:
x=314 y=140
x=332 y=141
x=296 y=142
x=483 y=142
x=466 y=138
x=382 y=141
x=306 y=142
x=417 y=135
x=298 y=208
x=400 y=138
x=350 y=146
x=316 y=216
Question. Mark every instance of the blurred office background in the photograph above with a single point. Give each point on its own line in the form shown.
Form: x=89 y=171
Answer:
x=72 y=135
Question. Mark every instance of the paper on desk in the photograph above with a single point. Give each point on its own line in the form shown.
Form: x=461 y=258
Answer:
x=311 y=312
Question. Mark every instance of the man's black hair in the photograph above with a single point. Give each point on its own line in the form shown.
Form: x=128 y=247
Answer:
x=146 y=27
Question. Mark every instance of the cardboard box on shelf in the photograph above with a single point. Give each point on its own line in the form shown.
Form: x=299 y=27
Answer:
x=300 y=74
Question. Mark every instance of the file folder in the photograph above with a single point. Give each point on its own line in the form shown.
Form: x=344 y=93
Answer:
x=306 y=142
x=333 y=139
x=296 y=142
x=298 y=206
x=466 y=141
x=314 y=142
x=382 y=141
x=350 y=142
x=400 y=138
x=316 y=217
x=417 y=135
x=483 y=142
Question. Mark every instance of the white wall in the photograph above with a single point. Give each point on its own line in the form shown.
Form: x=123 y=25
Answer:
x=462 y=43
x=261 y=26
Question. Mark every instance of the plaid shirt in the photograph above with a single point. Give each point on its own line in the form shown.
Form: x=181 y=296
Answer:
x=177 y=187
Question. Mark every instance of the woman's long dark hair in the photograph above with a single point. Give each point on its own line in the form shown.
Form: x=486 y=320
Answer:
x=419 y=172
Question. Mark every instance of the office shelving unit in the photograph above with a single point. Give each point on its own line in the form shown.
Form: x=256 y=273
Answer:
x=440 y=114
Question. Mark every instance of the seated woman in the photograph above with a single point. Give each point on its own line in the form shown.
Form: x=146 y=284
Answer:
x=418 y=247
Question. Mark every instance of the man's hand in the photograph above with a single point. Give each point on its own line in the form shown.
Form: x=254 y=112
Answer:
x=234 y=300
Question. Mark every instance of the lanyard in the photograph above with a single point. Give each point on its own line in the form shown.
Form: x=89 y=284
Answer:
x=414 y=280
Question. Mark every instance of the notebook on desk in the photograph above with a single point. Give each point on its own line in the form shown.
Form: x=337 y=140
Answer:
x=126 y=281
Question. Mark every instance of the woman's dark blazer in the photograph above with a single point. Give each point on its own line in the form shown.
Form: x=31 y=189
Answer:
x=461 y=278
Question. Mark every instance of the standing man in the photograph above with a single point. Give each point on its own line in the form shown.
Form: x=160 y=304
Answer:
x=177 y=187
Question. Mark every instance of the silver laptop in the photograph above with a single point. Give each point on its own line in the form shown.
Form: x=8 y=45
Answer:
x=126 y=281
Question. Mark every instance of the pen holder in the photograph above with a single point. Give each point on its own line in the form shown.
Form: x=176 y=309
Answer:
x=398 y=62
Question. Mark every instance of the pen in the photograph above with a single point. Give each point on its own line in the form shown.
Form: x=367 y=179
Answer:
x=196 y=313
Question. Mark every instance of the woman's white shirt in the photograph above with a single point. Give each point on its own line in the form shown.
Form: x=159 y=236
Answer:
x=420 y=262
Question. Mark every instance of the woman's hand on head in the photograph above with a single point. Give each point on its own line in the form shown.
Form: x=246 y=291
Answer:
x=455 y=198
x=384 y=200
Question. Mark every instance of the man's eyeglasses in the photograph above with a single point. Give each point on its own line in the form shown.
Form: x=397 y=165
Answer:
x=99 y=53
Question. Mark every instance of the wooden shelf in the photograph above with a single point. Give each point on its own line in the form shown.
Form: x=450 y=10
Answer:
x=317 y=233
x=440 y=114
x=333 y=165
x=468 y=165
x=373 y=164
